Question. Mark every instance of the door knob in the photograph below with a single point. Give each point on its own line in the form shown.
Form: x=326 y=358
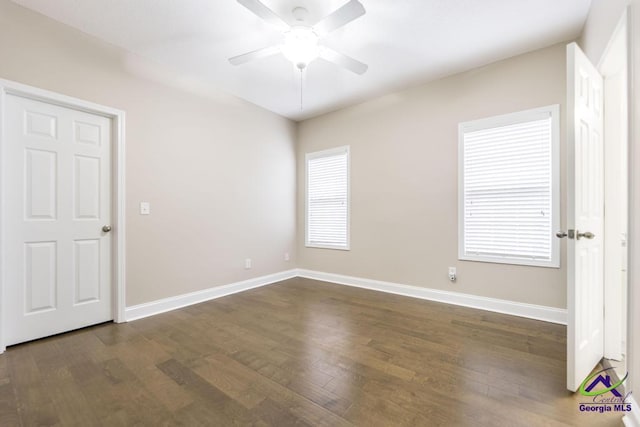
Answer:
x=585 y=234
x=106 y=228
x=569 y=233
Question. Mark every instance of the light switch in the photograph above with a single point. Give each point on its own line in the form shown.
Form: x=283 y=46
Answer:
x=145 y=208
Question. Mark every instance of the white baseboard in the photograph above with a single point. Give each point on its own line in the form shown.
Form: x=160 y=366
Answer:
x=538 y=312
x=167 y=304
x=531 y=311
x=632 y=419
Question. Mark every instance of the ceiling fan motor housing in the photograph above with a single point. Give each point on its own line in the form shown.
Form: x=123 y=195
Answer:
x=300 y=14
x=301 y=45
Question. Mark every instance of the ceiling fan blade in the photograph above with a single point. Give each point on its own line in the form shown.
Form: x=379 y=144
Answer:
x=258 y=8
x=347 y=13
x=344 y=61
x=256 y=54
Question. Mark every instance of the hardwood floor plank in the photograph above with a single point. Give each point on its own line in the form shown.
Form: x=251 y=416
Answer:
x=238 y=387
x=8 y=404
x=215 y=399
x=35 y=406
x=274 y=414
x=297 y=404
x=69 y=401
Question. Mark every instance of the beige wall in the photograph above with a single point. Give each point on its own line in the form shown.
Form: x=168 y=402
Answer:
x=404 y=181
x=219 y=172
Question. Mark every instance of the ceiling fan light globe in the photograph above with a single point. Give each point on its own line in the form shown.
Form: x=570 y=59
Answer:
x=301 y=46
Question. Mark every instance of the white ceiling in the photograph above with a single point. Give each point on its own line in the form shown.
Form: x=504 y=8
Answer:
x=405 y=42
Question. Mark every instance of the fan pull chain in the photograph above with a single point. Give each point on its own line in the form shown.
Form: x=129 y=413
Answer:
x=301 y=89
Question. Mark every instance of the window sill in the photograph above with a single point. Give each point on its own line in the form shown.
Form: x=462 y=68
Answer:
x=521 y=262
x=337 y=248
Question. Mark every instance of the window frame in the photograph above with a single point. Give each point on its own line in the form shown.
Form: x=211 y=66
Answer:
x=345 y=149
x=505 y=120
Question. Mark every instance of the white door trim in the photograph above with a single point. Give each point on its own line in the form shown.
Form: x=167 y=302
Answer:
x=118 y=187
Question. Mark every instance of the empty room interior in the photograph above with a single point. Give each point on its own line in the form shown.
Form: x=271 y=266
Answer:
x=323 y=213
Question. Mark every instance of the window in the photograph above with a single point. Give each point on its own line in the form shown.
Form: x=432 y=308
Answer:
x=328 y=199
x=509 y=190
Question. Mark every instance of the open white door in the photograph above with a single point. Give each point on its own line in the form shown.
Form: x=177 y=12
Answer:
x=585 y=222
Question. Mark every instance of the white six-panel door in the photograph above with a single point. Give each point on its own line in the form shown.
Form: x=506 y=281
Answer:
x=585 y=214
x=58 y=198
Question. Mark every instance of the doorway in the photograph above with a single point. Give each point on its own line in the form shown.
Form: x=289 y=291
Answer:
x=614 y=69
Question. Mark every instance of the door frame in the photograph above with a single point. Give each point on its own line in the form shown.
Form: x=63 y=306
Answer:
x=117 y=193
x=622 y=29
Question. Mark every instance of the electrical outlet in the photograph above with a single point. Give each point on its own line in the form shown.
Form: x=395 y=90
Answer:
x=247 y=263
x=287 y=257
x=452 y=274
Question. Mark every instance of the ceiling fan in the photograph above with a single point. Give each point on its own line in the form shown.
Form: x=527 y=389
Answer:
x=301 y=43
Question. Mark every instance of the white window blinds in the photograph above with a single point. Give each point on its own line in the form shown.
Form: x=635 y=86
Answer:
x=328 y=199
x=509 y=187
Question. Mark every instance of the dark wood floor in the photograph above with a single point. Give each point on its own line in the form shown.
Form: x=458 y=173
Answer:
x=298 y=353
